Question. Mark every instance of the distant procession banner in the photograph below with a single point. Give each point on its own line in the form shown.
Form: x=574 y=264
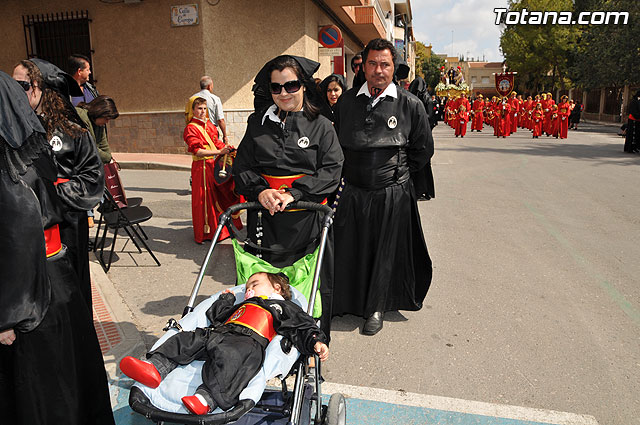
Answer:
x=504 y=83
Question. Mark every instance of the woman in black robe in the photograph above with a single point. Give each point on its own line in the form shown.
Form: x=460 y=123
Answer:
x=80 y=170
x=289 y=153
x=51 y=368
x=331 y=88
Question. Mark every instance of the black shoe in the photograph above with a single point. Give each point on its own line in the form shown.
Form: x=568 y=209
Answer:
x=373 y=324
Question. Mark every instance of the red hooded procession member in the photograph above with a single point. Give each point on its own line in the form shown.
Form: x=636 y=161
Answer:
x=209 y=198
x=478 y=106
x=564 y=110
x=515 y=111
x=538 y=118
x=461 y=120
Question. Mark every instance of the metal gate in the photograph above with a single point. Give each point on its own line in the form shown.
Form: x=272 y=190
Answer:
x=56 y=36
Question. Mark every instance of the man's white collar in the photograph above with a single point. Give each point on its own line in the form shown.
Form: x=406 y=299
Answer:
x=391 y=91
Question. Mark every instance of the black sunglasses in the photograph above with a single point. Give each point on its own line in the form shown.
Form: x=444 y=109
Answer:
x=26 y=85
x=289 y=86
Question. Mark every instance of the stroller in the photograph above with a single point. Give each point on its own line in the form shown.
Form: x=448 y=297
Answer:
x=258 y=404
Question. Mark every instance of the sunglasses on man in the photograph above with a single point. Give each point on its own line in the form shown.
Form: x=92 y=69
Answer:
x=289 y=86
x=26 y=85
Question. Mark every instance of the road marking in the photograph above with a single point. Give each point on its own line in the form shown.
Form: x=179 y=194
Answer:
x=468 y=407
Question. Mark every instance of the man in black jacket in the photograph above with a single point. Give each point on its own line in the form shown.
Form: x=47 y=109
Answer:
x=381 y=257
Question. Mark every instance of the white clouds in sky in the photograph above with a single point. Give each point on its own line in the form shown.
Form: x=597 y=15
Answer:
x=472 y=23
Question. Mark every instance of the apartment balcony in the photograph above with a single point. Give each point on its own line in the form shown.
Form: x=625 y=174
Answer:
x=365 y=18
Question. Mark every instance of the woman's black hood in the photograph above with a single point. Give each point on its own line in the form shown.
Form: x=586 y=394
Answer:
x=309 y=67
x=56 y=79
x=17 y=119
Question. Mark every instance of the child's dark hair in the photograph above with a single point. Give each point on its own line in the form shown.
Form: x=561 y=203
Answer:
x=282 y=280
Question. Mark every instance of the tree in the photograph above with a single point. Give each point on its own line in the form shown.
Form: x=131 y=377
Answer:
x=423 y=53
x=428 y=65
x=607 y=55
x=539 y=53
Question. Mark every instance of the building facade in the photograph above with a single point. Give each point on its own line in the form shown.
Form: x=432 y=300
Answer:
x=149 y=55
x=482 y=79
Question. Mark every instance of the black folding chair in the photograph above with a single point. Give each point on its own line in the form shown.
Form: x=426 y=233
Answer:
x=123 y=218
x=104 y=208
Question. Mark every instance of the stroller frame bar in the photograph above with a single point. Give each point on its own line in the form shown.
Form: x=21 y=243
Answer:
x=225 y=218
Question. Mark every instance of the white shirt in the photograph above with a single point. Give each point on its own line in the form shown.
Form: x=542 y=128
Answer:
x=271 y=114
x=391 y=91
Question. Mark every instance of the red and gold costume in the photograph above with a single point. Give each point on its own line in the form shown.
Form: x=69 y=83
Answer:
x=538 y=118
x=547 y=103
x=208 y=198
x=515 y=111
x=461 y=120
x=478 y=107
x=553 y=123
x=564 y=110
x=504 y=111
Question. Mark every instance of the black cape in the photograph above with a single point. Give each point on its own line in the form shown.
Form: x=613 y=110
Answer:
x=271 y=149
x=381 y=260
x=53 y=372
x=78 y=161
x=233 y=354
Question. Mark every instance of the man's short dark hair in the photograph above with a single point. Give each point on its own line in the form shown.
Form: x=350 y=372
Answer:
x=76 y=61
x=198 y=101
x=379 y=44
x=355 y=58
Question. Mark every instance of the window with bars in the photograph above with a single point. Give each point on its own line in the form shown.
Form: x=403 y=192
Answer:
x=56 y=36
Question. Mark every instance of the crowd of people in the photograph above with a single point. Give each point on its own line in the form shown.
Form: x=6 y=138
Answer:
x=51 y=174
x=314 y=140
x=539 y=114
x=359 y=150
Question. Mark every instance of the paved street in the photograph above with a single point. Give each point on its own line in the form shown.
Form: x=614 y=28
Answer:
x=535 y=299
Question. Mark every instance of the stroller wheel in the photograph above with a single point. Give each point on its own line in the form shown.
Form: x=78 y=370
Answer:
x=336 y=410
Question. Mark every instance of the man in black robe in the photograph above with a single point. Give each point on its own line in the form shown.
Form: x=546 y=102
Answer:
x=632 y=137
x=381 y=258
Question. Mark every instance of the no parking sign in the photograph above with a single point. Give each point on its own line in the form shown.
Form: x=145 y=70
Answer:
x=330 y=37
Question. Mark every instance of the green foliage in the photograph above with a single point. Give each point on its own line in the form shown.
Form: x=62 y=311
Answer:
x=607 y=55
x=428 y=67
x=556 y=56
x=539 y=53
x=422 y=55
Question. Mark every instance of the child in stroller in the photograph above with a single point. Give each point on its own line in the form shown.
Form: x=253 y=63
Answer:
x=233 y=346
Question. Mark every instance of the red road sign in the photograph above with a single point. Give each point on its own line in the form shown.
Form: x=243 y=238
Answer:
x=330 y=36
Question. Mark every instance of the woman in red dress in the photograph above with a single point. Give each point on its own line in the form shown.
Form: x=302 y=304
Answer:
x=209 y=199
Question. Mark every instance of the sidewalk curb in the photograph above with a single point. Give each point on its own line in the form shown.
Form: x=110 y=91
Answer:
x=132 y=343
x=141 y=165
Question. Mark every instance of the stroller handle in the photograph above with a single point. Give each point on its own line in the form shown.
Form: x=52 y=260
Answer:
x=225 y=218
x=302 y=205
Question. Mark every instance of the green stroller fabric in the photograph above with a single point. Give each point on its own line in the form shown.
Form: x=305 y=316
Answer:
x=300 y=273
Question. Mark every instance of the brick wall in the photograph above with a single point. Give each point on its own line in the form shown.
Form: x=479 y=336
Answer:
x=161 y=132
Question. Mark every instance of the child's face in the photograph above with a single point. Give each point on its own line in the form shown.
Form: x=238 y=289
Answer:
x=259 y=285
